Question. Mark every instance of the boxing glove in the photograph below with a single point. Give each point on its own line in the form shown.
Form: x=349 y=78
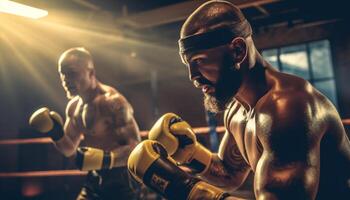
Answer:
x=180 y=141
x=88 y=158
x=46 y=121
x=149 y=163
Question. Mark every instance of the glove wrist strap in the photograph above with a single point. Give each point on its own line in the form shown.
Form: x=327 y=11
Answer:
x=57 y=131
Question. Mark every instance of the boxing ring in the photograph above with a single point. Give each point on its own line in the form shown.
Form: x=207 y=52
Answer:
x=52 y=173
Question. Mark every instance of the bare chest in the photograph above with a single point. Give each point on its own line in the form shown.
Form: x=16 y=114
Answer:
x=242 y=125
x=90 y=120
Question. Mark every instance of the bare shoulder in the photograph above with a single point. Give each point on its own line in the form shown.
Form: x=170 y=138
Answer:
x=116 y=106
x=71 y=106
x=287 y=103
x=113 y=104
x=117 y=101
x=110 y=99
x=294 y=100
x=293 y=115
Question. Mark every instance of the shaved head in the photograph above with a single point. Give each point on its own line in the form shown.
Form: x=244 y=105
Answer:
x=214 y=41
x=77 y=71
x=211 y=15
x=76 y=55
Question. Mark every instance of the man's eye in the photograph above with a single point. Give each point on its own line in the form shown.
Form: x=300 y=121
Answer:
x=199 y=61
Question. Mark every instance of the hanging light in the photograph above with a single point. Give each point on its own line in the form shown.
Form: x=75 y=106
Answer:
x=15 y=8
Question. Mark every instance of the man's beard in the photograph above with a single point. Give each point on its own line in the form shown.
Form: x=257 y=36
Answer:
x=226 y=87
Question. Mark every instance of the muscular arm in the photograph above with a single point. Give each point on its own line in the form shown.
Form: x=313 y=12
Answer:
x=71 y=139
x=289 y=166
x=228 y=169
x=125 y=127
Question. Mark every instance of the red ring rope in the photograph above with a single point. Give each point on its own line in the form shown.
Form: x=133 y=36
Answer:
x=46 y=140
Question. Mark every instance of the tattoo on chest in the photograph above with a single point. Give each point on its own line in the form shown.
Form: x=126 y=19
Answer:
x=232 y=163
x=234 y=160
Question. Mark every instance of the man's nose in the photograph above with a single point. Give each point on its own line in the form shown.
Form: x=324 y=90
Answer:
x=193 y=73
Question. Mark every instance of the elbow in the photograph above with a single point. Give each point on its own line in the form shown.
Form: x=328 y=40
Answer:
x=66 y=147
x=68 y=153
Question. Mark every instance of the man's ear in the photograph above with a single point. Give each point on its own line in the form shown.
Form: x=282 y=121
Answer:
x=239 y=49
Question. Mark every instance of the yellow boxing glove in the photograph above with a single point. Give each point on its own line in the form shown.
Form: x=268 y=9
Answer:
x=180 y=141
x=150 y=164
x=46 y=121
x=88 y=158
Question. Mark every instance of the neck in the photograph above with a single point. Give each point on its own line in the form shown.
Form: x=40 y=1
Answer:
x=90 y=94
x=254 y=84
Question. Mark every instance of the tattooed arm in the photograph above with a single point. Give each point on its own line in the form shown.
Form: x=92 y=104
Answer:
x=125 y=128
x=228 y=169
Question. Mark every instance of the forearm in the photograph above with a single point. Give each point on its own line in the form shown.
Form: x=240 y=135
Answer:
x=121 y=154
x=71 y=139
x=66 y=146
x=221 y=175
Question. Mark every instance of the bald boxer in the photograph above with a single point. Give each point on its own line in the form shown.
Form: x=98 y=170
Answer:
x=100 y=120
x=277 y=125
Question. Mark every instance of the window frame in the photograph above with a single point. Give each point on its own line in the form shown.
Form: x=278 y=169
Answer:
x=312 y=78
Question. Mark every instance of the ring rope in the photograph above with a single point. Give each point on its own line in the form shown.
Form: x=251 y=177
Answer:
x=51 y=173
x=47 y=140
x=48 y=173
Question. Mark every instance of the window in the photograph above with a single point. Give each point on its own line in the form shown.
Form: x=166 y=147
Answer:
x=311 y=61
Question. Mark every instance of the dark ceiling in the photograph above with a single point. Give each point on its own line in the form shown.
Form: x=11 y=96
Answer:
x=166 y=16
x=30 y=48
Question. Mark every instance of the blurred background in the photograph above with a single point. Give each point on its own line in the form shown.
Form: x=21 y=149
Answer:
x=134 y=46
